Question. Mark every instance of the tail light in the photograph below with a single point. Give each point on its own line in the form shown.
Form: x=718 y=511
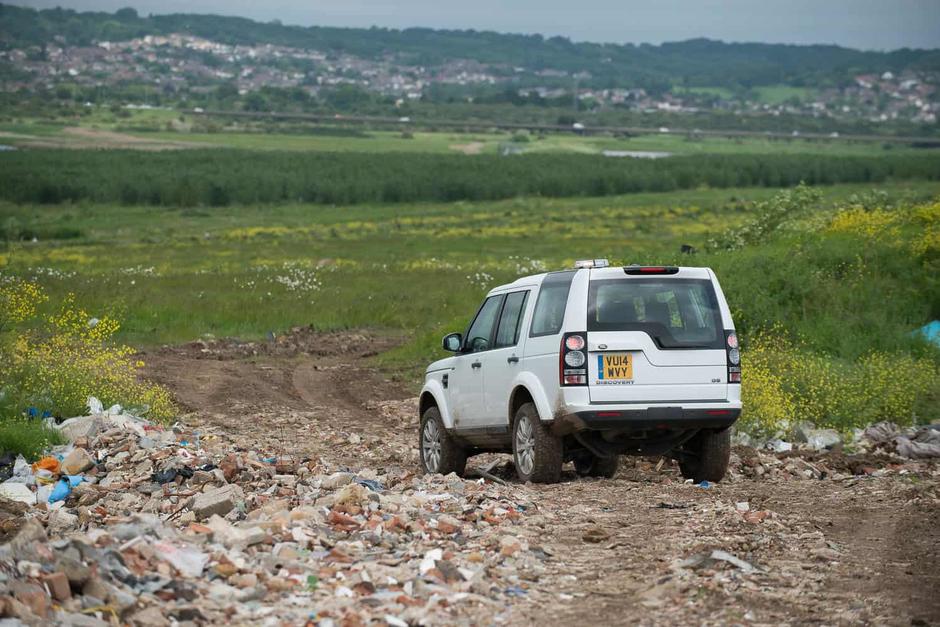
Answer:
x=572 y=359
x=734 y=357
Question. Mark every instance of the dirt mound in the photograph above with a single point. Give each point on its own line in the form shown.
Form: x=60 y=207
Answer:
x=298 y=341
x=827 y=462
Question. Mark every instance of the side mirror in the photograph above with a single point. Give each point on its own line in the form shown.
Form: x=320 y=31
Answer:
x=452 y=342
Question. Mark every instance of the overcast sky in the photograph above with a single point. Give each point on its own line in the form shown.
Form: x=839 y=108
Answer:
x=865 y=24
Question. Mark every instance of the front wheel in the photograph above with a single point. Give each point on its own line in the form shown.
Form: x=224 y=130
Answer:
x=706 y=456
x=536 y=451
x=439 y=452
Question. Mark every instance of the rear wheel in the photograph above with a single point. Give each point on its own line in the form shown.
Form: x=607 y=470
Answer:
x=590 y=465
x=536 y=451
x=707 y=456
x=439 y=452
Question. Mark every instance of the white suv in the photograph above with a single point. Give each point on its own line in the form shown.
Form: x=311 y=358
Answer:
x=587 y=364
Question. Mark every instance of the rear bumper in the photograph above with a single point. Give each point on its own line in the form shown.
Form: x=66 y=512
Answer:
x=632 y=418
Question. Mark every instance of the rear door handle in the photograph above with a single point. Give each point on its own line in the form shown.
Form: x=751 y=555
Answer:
x=476 y=364
x=513 y=359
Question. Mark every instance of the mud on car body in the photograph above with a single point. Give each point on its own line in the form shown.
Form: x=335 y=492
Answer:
x=586 y=365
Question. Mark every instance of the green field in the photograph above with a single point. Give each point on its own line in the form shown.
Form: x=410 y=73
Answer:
x=769 y=94
x=176 y=274
x=101 y=128
x=840 y=303
x=778 y=94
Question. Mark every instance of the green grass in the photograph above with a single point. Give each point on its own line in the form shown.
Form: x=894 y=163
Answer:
x=721 y=92
x=174 y=274
x=28 y=438
x=768 y=94
x=419 y=270
x=29 y=128
x=777 y=94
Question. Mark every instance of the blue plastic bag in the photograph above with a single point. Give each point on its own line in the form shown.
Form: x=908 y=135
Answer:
x=63 y=487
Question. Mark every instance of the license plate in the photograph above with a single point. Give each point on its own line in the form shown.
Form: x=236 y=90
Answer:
x=613 y=368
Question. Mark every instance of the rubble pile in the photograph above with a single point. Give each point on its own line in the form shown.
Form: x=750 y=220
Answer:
x=136 y=523
x=915 y=442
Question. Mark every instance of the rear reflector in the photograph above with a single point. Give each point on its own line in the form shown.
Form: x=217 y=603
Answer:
x=651 y=269
x=718 y=412
x=608 y=414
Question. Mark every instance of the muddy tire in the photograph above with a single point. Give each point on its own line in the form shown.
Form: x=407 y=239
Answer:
x=709 y=453
x=592 y=466
x=439 y=452
x=536 y=451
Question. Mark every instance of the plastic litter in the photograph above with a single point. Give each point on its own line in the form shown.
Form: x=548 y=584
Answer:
x=95 y=406
x=372 y=484
x=188 y=561
x=22 y=472
x=47 y=463
x=823 y=439
x=704 y=485
x=930 y=332
x=704 y=560
x=169 y=475
x=63 y=488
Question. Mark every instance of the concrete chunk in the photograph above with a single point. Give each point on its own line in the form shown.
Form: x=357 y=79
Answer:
x=217 y=501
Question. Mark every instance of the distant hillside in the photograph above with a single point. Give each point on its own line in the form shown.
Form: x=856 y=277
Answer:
x=697 y=62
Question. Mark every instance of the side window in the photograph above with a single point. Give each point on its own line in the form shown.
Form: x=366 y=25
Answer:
x=550 y=306
x=507 y=333
x=480 y=335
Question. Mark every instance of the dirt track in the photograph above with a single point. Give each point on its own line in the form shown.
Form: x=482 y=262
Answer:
x=850 y=549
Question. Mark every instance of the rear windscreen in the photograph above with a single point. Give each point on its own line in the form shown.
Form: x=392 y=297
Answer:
x=676 y=313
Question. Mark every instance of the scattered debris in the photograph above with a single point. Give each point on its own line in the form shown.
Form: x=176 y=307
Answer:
x=910 y=442
x=200 y=524
x=706 y=560
x=158 y=522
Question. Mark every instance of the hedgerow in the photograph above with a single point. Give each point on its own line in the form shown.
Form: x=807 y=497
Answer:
x=223 y=177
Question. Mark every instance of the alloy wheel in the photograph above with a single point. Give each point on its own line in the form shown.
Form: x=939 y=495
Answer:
x=525 y=445
x=431 y=445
